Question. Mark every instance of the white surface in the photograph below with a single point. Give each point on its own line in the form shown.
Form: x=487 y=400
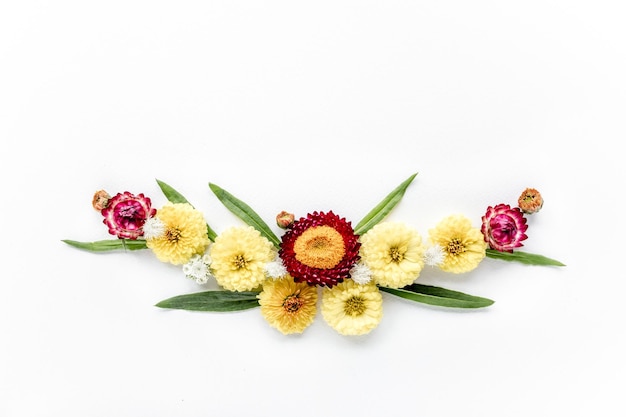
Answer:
x=311 y=106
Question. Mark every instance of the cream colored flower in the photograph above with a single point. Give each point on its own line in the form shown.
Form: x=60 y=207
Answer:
x=239 y=256
x=351 y=308
x=464 y=246
x=394 y=253
x=184 y=234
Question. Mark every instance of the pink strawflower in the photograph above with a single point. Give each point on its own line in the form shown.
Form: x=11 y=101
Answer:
x=126 y=213
x=504 y=227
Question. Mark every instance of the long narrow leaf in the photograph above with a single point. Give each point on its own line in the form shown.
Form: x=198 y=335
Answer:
x=245 y=213
x=212 y=301
x=437 y=296
x=108 y=245
x=175 y=197
x=171 y=194
x=523 y=257
x=383 y=208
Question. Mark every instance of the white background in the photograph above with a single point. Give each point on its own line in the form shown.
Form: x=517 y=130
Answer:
x=304 y=106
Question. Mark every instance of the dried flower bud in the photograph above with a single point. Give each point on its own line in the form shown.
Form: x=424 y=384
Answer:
x=284 y=219
x=100 y=200
x=530 y=201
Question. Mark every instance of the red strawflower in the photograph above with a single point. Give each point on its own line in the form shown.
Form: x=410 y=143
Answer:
x=504 y=227
x=126 y=213
x=320 y=249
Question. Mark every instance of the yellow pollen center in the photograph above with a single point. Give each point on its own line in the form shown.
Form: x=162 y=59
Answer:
x=292 y=303
x=172 y=235
x=320 y=247
x=355 y=306
x=239 y=262
x=396 y=255
x=455 y=247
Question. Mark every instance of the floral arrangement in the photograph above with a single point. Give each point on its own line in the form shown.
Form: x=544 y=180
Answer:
x=320 y=262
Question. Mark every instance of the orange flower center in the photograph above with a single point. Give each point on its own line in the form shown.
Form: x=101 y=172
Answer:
x=320 y=247
x=292 y=303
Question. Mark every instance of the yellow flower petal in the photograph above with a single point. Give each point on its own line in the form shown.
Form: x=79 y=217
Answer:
x=239 y=256
x=464 y=246
x=185 y=234
x=351 y=308
x=288 y=306
x=394 y=253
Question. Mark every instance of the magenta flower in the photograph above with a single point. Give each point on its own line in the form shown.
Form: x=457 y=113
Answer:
x=504 y=227
x=126 y=213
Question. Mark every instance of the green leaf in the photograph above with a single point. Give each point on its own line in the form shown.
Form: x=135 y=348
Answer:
x=171 y=194
x=437 y=296
x=212 y=301
x=108 y=245
x=175 y=197
x=383 y=208
x=523 y=257
x=245 y=213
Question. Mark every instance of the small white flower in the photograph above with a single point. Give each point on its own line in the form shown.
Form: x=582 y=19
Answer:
x=197 y=269
x=361 y=274
x=434 y=255
x=153 y=228
x=275 y=269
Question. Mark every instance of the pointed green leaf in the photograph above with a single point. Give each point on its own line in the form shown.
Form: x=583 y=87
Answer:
x=245 y=213
x=437 y=296
x=171 y=194
x=383 y=208
x=175 y=197
x=523 y=257
x=108 y=245
x=212 y=301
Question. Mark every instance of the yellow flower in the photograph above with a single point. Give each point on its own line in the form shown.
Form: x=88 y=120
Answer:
x=351 y=308
x=239 y=256
x=394 y=253
x=184 y=234
x=463 y=245
x=287 y=305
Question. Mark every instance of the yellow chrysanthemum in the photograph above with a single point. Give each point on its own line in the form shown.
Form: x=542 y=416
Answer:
x=287 y=305
x=239 y=256
x=394 y=253
x=351 y=308
x=463 y=246
x=184 y=234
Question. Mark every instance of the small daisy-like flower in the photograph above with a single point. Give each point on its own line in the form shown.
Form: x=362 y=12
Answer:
x=504 y=227
x=239 y=257
x=275 y=269
x=320 y=249
x=530 y=201
x=434 y=255
x=288 y=306
x=153 y=228
x=361 y=274
x=351 y=308
x=463 y=245
x=126 y=213
x=197 y=269
x=394 y=253
x=185 y=234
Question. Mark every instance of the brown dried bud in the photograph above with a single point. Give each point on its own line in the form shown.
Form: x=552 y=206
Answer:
x=530 y=201
x=284 y=219
x=100 y=200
